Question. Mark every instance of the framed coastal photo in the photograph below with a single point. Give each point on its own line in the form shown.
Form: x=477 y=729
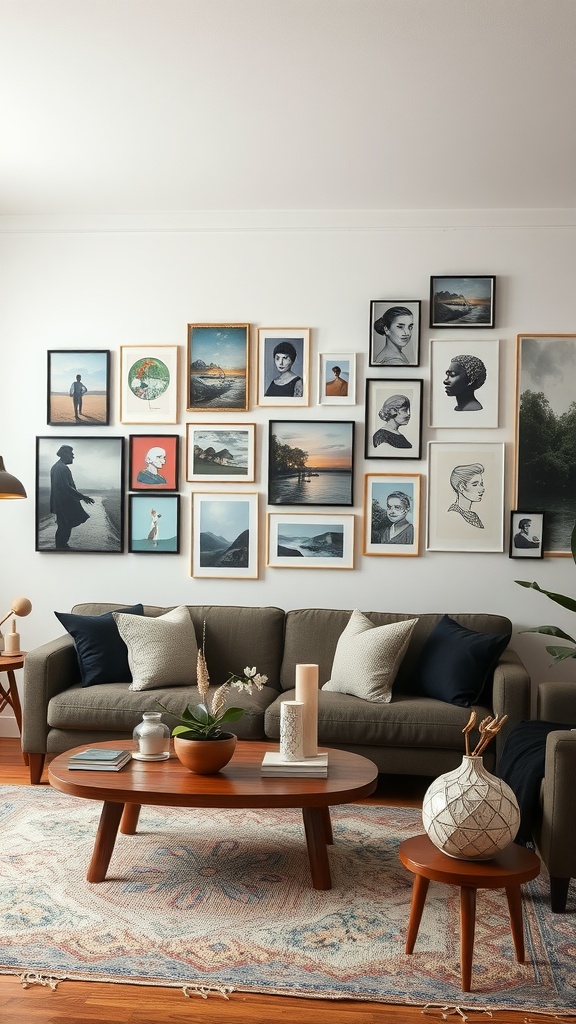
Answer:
x=391 y=514
x=220 y=452
x=395 y=332
x=217 y=367
x=393 y=427
x=283 y=365
x=462 y=301
x=311 y=462
x=153 y=462
x=148 y=383
x=79 y=494
x=526 y=534
x=301 y=541
x=545 y=430
x=225 y=535
x=78 y=387
x=465 y=497
x=337 y=378
x=154 y=524
x=464 y=379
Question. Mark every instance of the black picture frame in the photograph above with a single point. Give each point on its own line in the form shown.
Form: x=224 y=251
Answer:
x=148 y=469
x=146 y=534
x=78 y=387
x=392 y=340
x=325 y=476
x=463 y=300
x=526 y=534
x=388 y=434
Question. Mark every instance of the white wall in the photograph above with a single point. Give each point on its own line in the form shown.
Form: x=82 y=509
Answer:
x=141 y=281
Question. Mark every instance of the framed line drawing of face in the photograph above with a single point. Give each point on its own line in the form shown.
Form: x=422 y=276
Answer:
x=394 y=332
x=283 y=365
x=465 y=497
x=391 y=514
x=464 y=379
x=393 y=428
x=337 y=379
x=153 y=462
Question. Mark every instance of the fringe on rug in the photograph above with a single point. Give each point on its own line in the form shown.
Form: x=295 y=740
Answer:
x=206 y=990
x=31 y=978
x=443 y=1012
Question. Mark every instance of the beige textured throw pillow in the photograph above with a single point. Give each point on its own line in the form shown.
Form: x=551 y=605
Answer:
x=162 y=651
x=368 y=657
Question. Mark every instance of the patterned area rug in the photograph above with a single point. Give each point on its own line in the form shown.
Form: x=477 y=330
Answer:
x=222 y=899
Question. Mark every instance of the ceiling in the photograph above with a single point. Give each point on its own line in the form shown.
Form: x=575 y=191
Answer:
x=154 y=106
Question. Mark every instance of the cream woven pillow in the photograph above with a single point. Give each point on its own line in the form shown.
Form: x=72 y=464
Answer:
x=162 y=651
x=368 y=657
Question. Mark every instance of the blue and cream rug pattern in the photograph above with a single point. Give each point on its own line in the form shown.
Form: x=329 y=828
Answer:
x=222 y=899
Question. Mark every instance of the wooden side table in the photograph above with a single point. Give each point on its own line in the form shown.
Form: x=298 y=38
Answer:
x=9 y=694
x=507 y=870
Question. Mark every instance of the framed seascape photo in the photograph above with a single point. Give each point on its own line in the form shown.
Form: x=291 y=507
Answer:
x=526 y=534
x=545 y=429
x=283 y=365
x=395 y=332
x=78 y=387
x=393 y=428
x=154 y=524
x=464 y=383
x=220 y=452
x=225 y=535
x=217 y=367
x=337 y=379
x=153 y=462
x=311 y=462
x=391 y=514
x=317 y=541
x=148 y=383
x=465 y=497
x=79 y=494
x=462 y=301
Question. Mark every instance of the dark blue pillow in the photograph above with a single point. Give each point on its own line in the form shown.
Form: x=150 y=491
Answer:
x=457 y=664
x=101 y=651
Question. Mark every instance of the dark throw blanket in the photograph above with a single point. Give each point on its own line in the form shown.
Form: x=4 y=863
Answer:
x=522 y=767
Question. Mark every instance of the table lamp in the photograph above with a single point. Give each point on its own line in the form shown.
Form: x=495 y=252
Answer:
x=20 y=606
x=10 y=487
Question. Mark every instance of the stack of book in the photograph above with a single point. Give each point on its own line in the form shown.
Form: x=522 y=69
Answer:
x=274 y=765
x=100 y=759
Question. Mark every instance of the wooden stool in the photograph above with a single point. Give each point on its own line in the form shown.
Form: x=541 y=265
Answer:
x=9 y=695
x=507 y=870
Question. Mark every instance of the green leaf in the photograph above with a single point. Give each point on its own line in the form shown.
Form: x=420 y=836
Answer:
x=561 y=653
x=186 y=732
x=231 y=715
x=550 y=631
x=565 y=602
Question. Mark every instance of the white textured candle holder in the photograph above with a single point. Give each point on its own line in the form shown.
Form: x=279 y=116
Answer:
x=291 y=733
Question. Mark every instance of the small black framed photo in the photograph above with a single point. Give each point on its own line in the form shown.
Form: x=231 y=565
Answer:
x=395 y=332
x=78 y=387
x=154 y=524
x=462 y=301
x=526 y=534
x=393 y=418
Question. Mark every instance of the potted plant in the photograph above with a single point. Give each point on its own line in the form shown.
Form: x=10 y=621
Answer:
x=559 y=653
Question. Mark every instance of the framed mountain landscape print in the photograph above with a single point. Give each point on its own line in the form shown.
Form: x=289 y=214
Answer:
x=217 y=367
x=316 y=541
x=220 y=452
x=225 y=535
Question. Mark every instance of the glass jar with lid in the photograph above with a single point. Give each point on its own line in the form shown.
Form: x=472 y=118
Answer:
x=152 y=738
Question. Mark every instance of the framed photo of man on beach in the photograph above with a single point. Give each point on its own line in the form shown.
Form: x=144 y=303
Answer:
x=311 y=462
x=78 y=387
x=217 y=367
x=283 y=365
x=462 y=301
x=148 y=383
x=395 y=332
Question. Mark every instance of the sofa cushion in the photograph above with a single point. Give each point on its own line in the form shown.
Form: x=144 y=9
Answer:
x=101 y=651
x=367 y=658
x=457 y=664
x=162 y=651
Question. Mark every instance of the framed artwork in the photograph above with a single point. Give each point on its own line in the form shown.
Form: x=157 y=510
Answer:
x=395 y=332
x=545 y=432
x=465 y=497
x=217 y=367
x=464 y=383
x=526 y=534
x=391 y=514
x=154 y=524
x=78 y=387
x=301 y=541
x=283 y=365
x=148 y=383
x=393 y=428
x=337 y=378
x=462 y=301
x=311 y=462
x=153 y=462
x=225 y=535
x=79 y=494
x=220 y=452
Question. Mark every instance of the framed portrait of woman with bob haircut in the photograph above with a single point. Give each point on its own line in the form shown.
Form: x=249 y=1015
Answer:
x=465 y=497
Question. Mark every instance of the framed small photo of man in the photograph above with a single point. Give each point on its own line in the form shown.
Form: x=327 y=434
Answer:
x=78 y=388
x=395 y=332
x=283 y=365
x=153 y=462
x=337 y=379
x=526 y=534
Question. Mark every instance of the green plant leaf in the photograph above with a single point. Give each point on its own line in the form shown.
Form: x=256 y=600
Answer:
x=550 y=631
x=231 y=715
x=565 y=602
x=561 y=653
x=186 y=732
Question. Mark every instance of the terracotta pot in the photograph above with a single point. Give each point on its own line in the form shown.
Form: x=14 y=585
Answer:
x=205 y=757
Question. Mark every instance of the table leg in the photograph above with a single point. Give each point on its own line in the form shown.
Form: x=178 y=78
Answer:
x=327 y=825
x=129 y=822
x=12 y=697
x=104 y=842
x=419 y=892
x=315 y=829
x=467 y=926
x=514 y=897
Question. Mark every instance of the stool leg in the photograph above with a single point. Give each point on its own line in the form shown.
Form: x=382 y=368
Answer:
x=419 y=891
x=514 y=897
x=467 y=926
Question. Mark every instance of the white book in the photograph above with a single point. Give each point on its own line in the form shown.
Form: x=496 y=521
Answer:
x=98 y=766
x=273 y=758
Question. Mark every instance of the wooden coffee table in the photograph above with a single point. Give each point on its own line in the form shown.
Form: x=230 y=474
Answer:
x=239 y=784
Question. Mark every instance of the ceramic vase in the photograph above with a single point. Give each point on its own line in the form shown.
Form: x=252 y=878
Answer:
x=205 y=757
x=470 y=814
x=291 y=730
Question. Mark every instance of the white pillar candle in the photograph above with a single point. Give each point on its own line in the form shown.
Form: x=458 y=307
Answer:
x=307 y=693
x=291 y=747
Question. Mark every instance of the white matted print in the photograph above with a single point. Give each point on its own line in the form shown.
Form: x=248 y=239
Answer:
x=337 y=379
x=394 y=332
x=393 y=428
x=148 y=383
x=220 y=452
x=225 y=535
x=465 y=497
x=391 y=514
x=464 y=383
x=283 y=365
x=318 y=541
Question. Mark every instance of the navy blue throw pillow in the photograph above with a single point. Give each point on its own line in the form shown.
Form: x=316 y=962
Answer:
x=457 y=664
x=101 y=651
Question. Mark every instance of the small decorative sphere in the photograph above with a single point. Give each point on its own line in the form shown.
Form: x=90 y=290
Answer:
x=21 y=606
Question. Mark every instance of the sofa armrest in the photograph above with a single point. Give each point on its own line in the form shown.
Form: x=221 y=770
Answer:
x=48 y=670
x=556 y=838
x=557 y=702
x=510 y=694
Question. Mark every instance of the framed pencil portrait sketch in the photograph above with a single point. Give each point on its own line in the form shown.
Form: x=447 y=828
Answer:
x=317 y=541
x=154 y=524
x=218 y=367
x=220 y=452
x=464 y=383
x=395 y=332
x=462 y=301
x=391 y=514
x=225 y=535
x=149 y=384
x=78 y=388
x=393 y=428
x=465 y=497
x=283 y=365
x=337 y=378
x=153 y=462
x=311 y=462
x=526 y=534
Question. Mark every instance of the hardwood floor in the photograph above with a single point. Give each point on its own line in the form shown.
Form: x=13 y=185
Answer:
x=89 y=1003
